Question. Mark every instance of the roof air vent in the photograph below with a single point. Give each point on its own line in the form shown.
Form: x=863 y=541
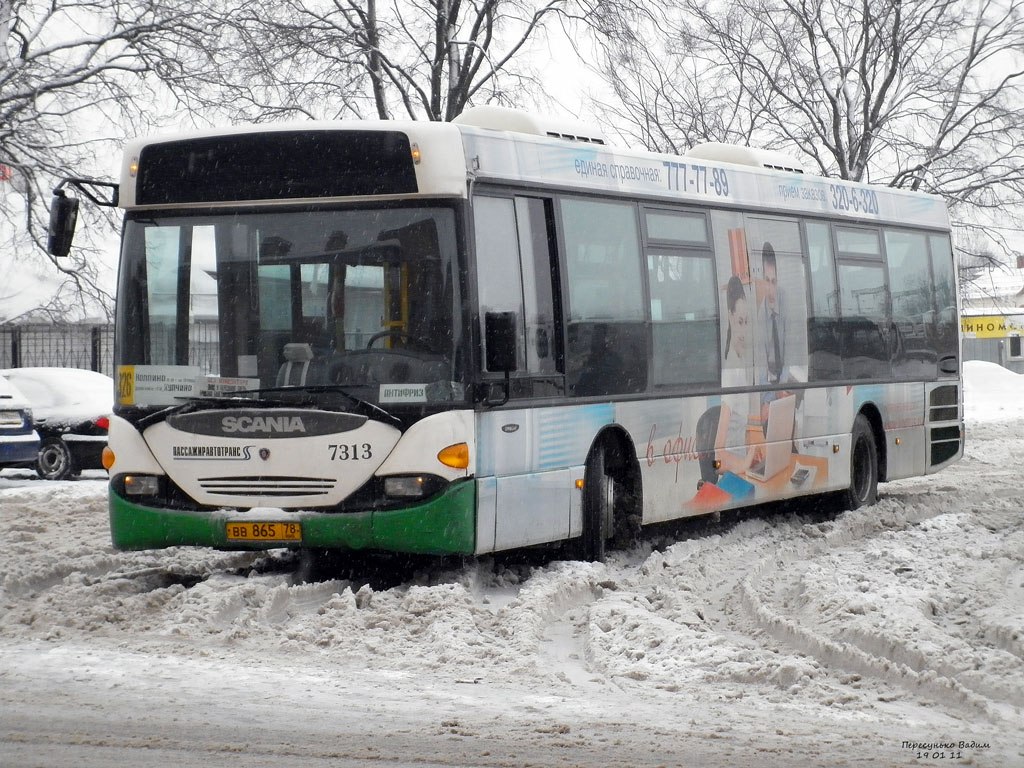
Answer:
x=516 y=121
x=740 y=155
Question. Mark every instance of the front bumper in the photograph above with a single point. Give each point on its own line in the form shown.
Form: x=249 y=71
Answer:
x=17 y=450
x=446 y=524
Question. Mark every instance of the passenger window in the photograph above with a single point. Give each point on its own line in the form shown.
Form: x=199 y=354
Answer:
x=945 y=325
x=910 y=287
x=677 y=227
x=602 y=251
x=864 y=325
x=823 y=337
x=858 y=242
x=863 y=303
x=684 y=318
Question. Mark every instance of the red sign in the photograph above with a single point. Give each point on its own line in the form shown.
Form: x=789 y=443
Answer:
x=6 y=172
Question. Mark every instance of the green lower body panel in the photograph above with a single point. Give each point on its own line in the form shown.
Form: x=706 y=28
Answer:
x=444 y=525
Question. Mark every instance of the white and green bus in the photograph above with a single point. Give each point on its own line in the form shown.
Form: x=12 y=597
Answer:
x=502 y=332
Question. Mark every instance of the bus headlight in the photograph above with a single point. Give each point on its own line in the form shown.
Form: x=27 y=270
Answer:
x=405 y=487
x=141 y=485
x=412 y=486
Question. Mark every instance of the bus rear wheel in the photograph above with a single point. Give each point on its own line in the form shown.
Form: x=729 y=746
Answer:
x=863 y=490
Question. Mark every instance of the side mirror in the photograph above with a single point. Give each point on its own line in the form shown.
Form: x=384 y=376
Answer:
x=63 y=218
x=501 y=353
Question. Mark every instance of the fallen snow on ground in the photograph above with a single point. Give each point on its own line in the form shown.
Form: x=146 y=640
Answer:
x=893 y=635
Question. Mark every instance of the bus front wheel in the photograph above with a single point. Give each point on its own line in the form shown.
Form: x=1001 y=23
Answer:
x=599 y=488
x=863 y=490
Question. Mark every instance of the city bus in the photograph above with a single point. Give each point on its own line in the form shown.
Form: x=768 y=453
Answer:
x=500 y=332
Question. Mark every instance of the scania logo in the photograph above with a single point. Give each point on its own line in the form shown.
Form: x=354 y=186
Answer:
x=265 y=424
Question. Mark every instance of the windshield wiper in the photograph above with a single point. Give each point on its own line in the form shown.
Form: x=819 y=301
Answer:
x=242 y=399
x=367 y=408
x=195 y=403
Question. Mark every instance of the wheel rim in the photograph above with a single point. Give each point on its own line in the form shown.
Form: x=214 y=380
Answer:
x=52 y=460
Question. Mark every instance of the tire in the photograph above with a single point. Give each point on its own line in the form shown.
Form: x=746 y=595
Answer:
x=55 y=461
x=863 y=490
x=598 y=506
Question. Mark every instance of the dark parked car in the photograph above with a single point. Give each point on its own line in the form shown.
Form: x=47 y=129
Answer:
x=70 y=411
x=19 y=442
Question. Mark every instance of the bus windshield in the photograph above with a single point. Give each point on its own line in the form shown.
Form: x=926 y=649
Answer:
x=366 y=300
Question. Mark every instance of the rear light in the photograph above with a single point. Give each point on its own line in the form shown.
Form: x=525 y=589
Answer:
x=102 y=422
x=12 y=419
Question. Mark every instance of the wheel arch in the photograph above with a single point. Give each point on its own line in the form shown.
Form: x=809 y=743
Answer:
x=620 y=449
x=45 y=431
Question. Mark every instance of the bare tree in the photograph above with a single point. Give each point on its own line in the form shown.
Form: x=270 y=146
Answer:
x=421 y=59
x=74 y=77
x=663 y=93
x=912 y=93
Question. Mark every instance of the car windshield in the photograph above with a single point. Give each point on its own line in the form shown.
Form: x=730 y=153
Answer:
x=365 y=300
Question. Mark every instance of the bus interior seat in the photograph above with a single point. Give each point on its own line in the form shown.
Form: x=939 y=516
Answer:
x=299 y=367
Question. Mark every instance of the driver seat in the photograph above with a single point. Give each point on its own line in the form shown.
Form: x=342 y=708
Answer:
x=297 y=367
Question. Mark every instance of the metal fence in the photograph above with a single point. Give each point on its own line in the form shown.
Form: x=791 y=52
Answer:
x=91 y=346
x=59 y=345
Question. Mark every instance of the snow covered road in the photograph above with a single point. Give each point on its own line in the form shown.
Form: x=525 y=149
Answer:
x=892 y=635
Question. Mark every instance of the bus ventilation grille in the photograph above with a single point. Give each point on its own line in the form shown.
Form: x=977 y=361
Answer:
x=946 y=439
x=262 y=485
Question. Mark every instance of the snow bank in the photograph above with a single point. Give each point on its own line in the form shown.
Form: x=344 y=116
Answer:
x=992 y=393
x=806 y=638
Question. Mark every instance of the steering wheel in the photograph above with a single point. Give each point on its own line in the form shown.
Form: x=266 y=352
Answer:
x=421 y=344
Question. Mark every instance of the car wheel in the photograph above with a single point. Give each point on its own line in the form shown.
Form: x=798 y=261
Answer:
x=54 y=461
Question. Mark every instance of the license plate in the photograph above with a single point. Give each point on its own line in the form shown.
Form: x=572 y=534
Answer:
x=264 y=531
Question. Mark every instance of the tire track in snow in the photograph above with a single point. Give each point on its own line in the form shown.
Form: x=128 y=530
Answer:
x=883 y=655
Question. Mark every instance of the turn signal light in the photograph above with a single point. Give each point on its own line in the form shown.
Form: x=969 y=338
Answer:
x=107 y=459
x=455 y=456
